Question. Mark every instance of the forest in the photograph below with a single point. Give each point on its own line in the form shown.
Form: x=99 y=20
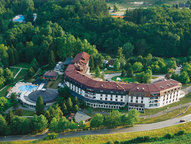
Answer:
x=69 y=27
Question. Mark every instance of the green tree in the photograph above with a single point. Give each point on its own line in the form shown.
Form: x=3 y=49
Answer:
x=4 y=57
x=92 y=66
x=116 y=64
x=184 y=78
x=137 y=67
x=8 y=75
x=69 y=104
x=39 y=106
x=3 y=125
x=3 y=103
x=112 y=119
x=75 y=100
x=19 y=125
x=130 y=72
x=97 y=72
x=97 y=120
x=53 y=125
x=123 y=73
x=171 y=64
x=9 y=116
x=64 y=109
x=128 y=49
x=120 y=53
x=51 y=62
x=64 y=92
x=124 y=120
x=39 y=123
x=14 y=100
x=76 y=108
x=133 y=117
x=34 y=64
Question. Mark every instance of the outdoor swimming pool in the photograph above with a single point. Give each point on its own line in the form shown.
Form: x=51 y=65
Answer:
x=19 y=18
x=29 y=88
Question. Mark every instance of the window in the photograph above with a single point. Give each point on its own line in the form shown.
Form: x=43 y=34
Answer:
x=141 y=101
x=131 y=100
x=121 y=96
x=105 y=98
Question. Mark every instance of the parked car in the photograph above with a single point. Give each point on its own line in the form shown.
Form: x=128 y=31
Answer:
x=182 y=120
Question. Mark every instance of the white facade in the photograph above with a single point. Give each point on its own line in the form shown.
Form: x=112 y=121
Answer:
x=104 y=100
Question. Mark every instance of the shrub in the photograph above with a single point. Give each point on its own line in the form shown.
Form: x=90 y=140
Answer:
x=116 y=142
x=168 y=136
x=51 y=136
x=109 y=142
x=179 y=133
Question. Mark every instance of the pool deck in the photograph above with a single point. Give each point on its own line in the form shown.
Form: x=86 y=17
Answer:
x=17 y=91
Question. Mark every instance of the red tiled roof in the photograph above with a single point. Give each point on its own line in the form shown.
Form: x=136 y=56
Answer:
x=77 y=75
x=51 y=73
x=82 y=58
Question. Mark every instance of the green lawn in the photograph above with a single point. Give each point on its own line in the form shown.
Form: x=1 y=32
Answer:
x=124 y=79
x=21 y=75
x=183 y=100
x=54 y=84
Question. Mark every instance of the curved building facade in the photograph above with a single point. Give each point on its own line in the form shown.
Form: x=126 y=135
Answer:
x=114 y=95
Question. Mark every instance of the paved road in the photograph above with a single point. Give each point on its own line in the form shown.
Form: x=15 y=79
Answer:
x=143 y=127
x=159 y=77
x=109 y=76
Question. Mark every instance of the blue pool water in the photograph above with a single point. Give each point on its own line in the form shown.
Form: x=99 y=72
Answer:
x=27 y=88
x=19 y=19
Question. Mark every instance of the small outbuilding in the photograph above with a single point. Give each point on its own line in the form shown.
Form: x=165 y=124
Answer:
x=50 y=75
x=111 y=63
x=80 y=116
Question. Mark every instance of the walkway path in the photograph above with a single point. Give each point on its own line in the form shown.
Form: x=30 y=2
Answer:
x=3 y=88
x=142 y=127
x=18 y=72
x=18 y=67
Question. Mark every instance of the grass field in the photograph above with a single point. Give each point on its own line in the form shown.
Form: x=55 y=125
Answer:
x=164 y=117
x=124 y=79
x=100 y=139
x=21 y=75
